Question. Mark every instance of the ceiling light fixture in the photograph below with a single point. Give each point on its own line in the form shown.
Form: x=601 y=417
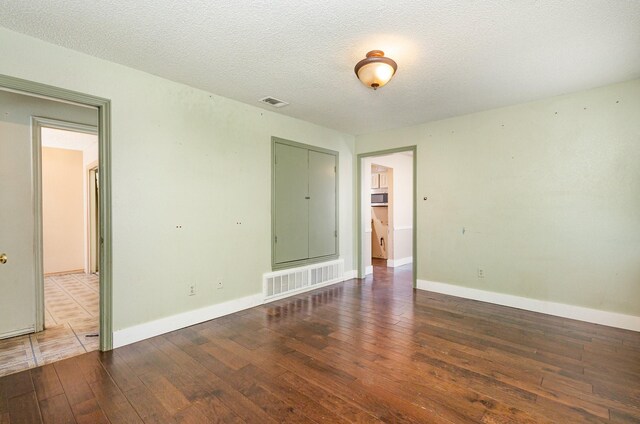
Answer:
x=375 y=70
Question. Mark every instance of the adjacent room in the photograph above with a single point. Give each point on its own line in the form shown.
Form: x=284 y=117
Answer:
x=344 y=212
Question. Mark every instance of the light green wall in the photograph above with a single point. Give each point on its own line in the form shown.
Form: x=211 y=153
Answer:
x=182 y=157
x=548 y=194
x=549 y=202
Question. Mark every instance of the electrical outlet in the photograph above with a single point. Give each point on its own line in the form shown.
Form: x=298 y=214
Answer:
x=220 y=285
x=191 y=289
x=480 y=273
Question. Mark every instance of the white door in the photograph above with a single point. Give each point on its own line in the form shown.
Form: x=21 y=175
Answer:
x=17 y=275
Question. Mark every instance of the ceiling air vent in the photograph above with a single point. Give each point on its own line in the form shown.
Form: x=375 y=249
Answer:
x=273 y=101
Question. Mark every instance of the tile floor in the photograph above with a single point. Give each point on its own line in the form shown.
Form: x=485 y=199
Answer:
x=71 y=314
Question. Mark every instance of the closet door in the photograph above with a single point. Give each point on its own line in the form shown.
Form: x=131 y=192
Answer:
x=322 y=204
x=291 y=236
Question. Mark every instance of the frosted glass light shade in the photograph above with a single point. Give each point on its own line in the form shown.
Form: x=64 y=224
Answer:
x=375 y=70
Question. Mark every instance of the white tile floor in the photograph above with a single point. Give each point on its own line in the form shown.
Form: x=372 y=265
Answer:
x=71 y=321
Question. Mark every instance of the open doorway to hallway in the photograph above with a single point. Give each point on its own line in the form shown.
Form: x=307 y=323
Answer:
x=49 y=297
x=70 y=221
x=387 y=199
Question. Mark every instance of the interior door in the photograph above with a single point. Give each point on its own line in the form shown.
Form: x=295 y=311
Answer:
x=322 y=204
x=17 y=275
x=292 y=204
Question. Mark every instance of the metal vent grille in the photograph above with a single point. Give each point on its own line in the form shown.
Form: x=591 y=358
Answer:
x=273 y=101
x=283 y=283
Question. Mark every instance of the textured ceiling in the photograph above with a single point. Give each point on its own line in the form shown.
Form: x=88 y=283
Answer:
x=454 y=57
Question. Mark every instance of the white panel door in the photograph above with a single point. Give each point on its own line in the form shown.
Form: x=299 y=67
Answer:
x=17 y=275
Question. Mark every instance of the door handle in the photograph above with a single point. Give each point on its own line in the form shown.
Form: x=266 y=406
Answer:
x=3 y=258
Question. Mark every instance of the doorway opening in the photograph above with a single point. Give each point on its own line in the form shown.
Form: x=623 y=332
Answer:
x=55 y=231
x=70 y=219
x=386 y=211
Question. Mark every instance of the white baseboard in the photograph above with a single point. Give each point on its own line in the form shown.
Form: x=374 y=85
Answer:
x=596 y=316
x=164 y=325
x=401 y=228
x=175 y=322
x=348 y=275
x=392 y=263
x=368 y=270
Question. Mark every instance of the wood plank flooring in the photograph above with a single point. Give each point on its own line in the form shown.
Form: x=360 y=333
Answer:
x=362 y=351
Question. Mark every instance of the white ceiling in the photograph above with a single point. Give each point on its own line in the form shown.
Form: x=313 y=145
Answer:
x=69 y=140
x=454 y=57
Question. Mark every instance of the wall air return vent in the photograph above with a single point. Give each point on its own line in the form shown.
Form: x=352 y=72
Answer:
x=279 y=284
x=273 y=101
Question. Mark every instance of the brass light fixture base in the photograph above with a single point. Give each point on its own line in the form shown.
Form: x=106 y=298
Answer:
x=372 y=79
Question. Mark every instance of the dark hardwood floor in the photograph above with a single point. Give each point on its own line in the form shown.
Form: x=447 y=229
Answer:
x=360 y=351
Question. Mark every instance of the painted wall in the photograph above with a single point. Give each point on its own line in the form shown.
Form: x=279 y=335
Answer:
x=62 y=210
x=544 y=196
x=191 y=173
x=365 y=202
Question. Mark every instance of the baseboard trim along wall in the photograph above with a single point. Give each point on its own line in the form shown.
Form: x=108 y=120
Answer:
x=175 y=322
x=368 y=270
x=71 y=271
x=349 y=275
x=595 y=316
x=392 y=263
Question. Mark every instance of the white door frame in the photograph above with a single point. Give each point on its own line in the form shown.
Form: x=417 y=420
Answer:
x=37 y=124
